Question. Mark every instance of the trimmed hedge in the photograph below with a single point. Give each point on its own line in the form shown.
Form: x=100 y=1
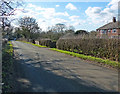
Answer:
x=45 y=42
x=91 y=58
x=48 y=43
x=101 y=48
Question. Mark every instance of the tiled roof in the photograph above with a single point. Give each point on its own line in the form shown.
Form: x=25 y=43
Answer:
x=111 y=25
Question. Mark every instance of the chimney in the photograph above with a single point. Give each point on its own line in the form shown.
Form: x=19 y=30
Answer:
x=114 y=19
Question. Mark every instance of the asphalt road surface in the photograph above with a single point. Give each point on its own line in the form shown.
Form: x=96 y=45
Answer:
x=42 y=70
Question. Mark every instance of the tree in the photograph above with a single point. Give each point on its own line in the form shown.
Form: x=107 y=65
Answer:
x=55 y=32
x=7 y=8
x=93 y=33
x=60 y=27
x=29 y=27
x=81 y=32
x=70 y=29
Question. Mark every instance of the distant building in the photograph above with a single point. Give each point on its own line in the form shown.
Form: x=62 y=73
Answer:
x=111 y=30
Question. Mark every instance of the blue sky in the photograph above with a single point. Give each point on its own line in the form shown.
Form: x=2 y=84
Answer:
x=82 y=15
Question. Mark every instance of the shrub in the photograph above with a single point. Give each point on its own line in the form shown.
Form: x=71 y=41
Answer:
x=91 y=58
x=47 y=42
x=102 y=48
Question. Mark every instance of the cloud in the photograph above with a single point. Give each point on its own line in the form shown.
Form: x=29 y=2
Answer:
x=59 y=20
x=61 y=14
x=31 y=6
x=37 y=11
x=98 y=15
x=113 y=2
x=29 y=13
x=74 y=18
x=70 y=7
x=47 y=13
x=50 y=13
x=93 y=12
x=44 y=16
x=44 y=24
x=57 y=5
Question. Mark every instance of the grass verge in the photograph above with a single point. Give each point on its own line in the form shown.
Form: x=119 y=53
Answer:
x=34 y=44
x=85 y=57
x=7 y=66
x=91 y=58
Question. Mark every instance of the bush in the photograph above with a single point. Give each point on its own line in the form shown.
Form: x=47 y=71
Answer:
x=102 y=48
x=91 y=58
x=47 y=42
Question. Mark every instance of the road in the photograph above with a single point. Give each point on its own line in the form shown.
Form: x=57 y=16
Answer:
x=43 y=70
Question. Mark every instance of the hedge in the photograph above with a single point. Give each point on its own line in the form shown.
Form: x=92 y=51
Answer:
x=101 y=48
x=47 y=42
x=91 y=58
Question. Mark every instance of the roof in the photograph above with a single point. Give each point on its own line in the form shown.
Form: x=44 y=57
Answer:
x=111 y=25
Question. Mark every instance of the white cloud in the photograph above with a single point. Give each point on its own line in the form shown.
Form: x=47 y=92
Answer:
x=98 y=15
x=50 y=13
x=61 y=14
x=58 y=20
x=44 y=24
x=74 y=18
x=57 y=5
x=113 y=2
x=29 y=13
x=70 y=6
x=77 y=21
x=48 y=16
x=93 y=13
x=37 y=11
x=39 y=8
x=44 y=16
x=31 y=6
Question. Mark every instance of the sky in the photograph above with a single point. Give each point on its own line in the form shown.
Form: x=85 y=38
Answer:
x=80 y=14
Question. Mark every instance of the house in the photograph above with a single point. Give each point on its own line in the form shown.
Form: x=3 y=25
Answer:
x=111 y=30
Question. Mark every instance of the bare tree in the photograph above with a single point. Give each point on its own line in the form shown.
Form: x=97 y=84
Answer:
x=29 y=27
x=7 y=8
x=60 y=27
x=29 y=23
x=70 y=29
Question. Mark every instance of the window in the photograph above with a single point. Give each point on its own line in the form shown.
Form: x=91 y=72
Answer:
x=104 y=31
x=114 y=31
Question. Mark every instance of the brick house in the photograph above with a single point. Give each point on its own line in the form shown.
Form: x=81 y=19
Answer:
x=111 y=30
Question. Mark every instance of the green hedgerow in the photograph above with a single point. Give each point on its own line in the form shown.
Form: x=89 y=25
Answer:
x=91 y=58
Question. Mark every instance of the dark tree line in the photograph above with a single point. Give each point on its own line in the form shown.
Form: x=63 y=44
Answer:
x=29 y=29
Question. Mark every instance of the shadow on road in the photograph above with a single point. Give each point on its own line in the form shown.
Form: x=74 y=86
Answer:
x=16 y=48
x=32 y=76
